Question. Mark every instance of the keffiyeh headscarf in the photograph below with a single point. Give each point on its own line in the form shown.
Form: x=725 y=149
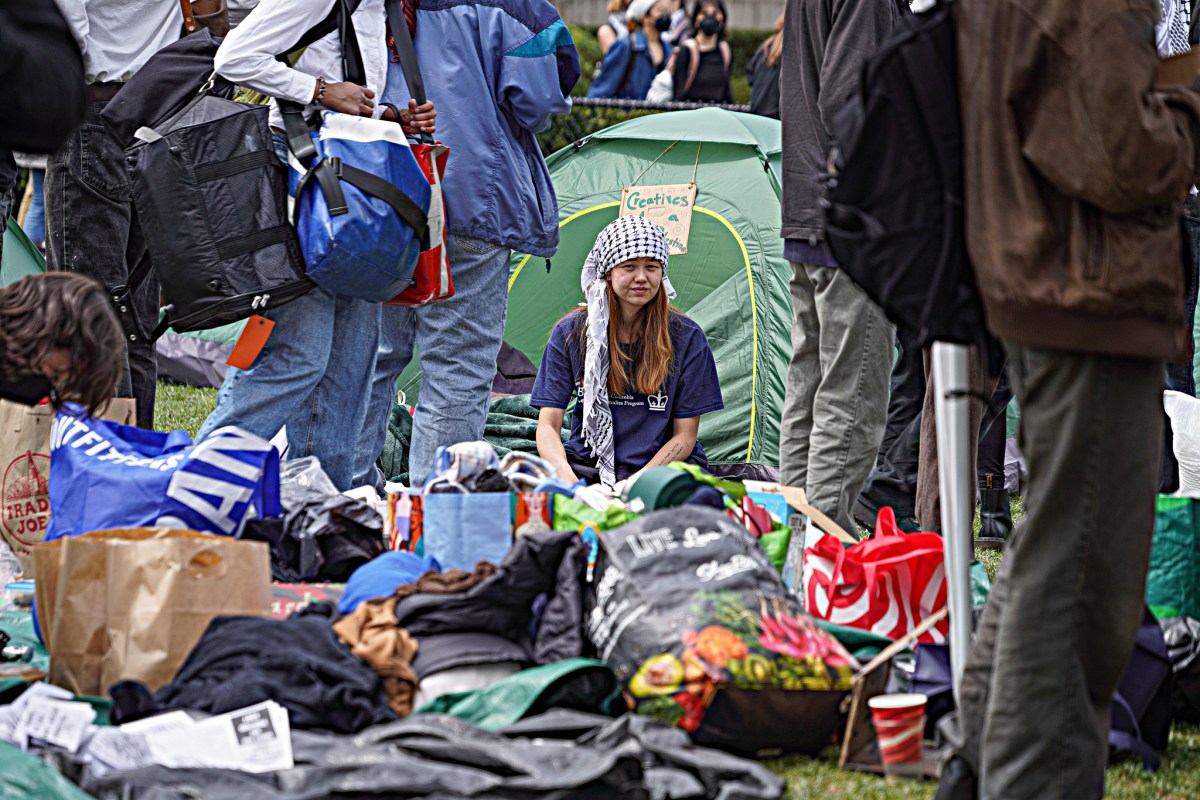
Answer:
x=623 y=240
x=1171 y=35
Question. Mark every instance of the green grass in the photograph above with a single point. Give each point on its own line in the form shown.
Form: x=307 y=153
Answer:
x=184 y=407
x=1178 y=779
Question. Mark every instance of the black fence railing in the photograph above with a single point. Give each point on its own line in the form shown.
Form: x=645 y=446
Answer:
x=591 y=114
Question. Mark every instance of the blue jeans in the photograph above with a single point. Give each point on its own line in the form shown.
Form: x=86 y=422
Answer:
x=458 y=340
x=310 y=376
x=35 y=218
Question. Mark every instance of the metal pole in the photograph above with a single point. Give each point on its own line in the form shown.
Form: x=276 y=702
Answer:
x=953 y=413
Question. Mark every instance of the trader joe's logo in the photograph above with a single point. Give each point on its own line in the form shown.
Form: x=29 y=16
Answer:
x=26 y=499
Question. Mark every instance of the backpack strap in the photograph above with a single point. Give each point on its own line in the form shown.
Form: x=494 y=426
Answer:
x=1133 y=742
x=406 y=51
x=693 y=64
x=633 y=54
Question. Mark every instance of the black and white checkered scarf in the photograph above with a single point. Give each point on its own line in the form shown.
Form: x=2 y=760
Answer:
x=623 y=240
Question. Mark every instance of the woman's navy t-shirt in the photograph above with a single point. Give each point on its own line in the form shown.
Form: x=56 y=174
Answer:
x=641 y=424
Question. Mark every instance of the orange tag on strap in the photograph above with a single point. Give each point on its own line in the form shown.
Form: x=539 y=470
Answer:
x=251 y=342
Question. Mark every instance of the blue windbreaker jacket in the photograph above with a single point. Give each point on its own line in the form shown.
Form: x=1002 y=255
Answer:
x=496 y=70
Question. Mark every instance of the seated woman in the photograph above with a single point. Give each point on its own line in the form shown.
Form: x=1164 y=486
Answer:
x=642 y=373
x=631 y=63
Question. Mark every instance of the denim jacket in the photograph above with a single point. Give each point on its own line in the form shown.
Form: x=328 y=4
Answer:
x=496 y=71
x=609 y=82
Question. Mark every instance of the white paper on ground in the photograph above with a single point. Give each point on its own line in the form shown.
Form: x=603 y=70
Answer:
x=113 y=749
x=253 y=739
x=160 y=724
x=56 y=723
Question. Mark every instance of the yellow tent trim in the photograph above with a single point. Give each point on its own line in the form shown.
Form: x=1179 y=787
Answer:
x=754 y=327
x=753 y=304
x=513 y=278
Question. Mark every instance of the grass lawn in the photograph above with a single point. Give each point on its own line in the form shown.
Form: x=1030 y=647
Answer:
x=183 y=407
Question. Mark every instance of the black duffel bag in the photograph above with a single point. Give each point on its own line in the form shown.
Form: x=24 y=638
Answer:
x=211 y=197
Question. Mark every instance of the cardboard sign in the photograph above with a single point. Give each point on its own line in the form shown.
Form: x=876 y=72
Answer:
x=670 y=205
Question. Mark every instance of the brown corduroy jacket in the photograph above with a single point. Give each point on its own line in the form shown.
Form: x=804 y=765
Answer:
x=1075 y=167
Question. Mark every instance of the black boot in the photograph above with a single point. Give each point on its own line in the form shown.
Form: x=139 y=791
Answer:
x=995 y=515
x=958 y=782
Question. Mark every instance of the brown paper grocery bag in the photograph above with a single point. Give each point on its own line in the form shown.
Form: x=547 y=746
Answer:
x=25 y=471
x=72 y=598
x=163 y=593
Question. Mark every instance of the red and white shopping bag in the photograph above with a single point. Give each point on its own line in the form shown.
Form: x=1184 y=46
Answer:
x=885 y=585
x=431 y=278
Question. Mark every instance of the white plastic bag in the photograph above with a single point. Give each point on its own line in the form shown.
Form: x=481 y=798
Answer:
x=1184 y=412
x=662 y=88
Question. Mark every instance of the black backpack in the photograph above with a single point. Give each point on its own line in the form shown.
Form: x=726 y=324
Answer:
x=1141 y=711
x=894 y=208
x=210 y=192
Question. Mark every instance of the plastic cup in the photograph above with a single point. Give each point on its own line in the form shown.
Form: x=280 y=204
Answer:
x=900 y=730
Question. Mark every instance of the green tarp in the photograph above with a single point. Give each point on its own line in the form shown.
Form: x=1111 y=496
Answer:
x=26 y=777
x=583 y=684
x=1173 y=581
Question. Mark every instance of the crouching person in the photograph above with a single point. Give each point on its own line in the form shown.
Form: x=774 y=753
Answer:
x=642 y=373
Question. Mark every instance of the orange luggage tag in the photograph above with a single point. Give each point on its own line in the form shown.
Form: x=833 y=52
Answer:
x=251 y=342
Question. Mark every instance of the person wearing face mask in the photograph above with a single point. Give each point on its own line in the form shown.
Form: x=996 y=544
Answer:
x=640 y=371
x=632 y=62
x=700 y=69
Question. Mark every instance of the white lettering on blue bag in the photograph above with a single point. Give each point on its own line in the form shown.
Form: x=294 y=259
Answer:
x=106 y=475
x=360 y=203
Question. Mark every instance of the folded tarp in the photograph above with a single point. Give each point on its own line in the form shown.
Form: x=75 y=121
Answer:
x=559 y=754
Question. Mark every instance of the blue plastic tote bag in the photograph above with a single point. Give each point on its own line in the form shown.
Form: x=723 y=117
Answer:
x=361 y=204
x=463 y=529
x=107 y=475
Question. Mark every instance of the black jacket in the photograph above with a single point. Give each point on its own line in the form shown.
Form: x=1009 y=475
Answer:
x=764 y=85
x=553 y=563
x=824 y=45
x=41 y=77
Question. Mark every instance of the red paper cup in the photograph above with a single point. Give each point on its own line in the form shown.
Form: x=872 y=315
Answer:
x=899 y=729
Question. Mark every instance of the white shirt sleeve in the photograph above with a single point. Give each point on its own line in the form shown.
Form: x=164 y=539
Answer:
x=247 y=57
x=77 y=21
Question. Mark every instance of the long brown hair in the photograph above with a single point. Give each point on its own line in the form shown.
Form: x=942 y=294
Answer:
x=772 y=47
x=62 y=311
x=648 y=373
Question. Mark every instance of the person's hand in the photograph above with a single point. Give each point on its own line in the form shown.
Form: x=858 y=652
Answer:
x=416 y=120
x=349 y=98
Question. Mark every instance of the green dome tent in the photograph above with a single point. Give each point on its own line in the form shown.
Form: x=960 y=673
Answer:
x=733 y=280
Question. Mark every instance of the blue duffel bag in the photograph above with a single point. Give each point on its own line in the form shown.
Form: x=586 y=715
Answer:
x=361 y=204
